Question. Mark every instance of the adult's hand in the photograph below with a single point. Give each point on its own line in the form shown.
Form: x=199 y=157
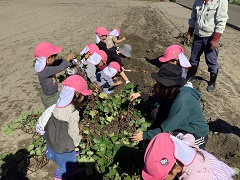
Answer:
x=189 y=34
x=137 y=136
x=215 y=40
x=134 y=96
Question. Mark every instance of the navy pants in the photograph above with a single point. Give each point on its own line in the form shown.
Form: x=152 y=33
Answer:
x=200 y=45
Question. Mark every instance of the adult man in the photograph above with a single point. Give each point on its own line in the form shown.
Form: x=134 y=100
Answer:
x=208 y=21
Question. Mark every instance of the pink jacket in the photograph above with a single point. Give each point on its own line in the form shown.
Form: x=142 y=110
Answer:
x=204 y=168
x=199 y=169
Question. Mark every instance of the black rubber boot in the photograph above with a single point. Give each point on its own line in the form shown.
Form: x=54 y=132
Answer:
x=191 y=74
x=212 y=82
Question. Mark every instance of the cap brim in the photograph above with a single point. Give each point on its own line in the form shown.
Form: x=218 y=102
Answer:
x=86 y=92
x=65 y=97
x=163 y=59
x=57 y=50
x=146 y=176
x=40 y=64
x=168 y=82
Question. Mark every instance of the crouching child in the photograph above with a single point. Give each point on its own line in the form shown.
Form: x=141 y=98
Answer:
x=105 y=77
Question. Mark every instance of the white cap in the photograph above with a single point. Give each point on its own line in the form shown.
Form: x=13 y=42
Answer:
x=97 y=39
x=183 y=60
x=109 y=71
x=40 y=64
x=183 y=152
x=94 y=59
x=114 y=33
x=65 y=97
x=84 y=51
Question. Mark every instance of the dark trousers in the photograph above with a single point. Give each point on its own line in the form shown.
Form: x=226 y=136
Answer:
x=200 y=45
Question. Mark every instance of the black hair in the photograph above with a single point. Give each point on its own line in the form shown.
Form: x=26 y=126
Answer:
x=54 y=55
x=162 y=91
x=75 y=102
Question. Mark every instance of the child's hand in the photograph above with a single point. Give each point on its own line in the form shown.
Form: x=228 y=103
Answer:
x=123 y=39
x=118 y=52
x=119 y=82
x=137 y=136
x=70 y=56
x=134 y=96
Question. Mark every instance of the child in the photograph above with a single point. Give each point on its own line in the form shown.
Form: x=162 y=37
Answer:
x=112 y=53
x=88 y=68
x=46 y=67
x=179 y=109
x=61 y=130
x=167 y=157
x=98 y=59
x=174 y=54
x=105 y=77
x=113 y=38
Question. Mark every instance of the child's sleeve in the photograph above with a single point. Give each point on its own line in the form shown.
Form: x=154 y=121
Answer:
x=51 y=70
x=43 y=119
x=91 y=72
x=73 y=129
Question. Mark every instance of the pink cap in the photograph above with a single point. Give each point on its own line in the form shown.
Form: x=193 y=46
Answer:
x=46 y=49
x=115 y=32
x=112 y=69
x=115 y=65
x=92 y=48
x=103 y=55
x=97 y=57
x=72 y=84
x=100 y=31
x=175 y=52
x=162 y=153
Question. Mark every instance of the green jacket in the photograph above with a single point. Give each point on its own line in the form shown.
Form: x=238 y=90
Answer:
x=185 y=114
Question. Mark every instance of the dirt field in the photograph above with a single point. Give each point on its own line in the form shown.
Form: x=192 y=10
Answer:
x=148 y=26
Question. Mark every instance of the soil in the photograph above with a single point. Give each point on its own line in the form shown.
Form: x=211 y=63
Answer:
x=149 y=28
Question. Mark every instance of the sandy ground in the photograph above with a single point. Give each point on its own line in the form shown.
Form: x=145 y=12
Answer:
x=147 y=25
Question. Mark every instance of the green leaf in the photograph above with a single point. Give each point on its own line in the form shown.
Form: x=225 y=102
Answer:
x=86 y=131
x=102 y=168
x=32 y=152
x=96 y=141
x=114 y=139
x=237 y=170
x=103 y=95
x=30 y=147
x=93 y=113
x=101 y=162
x=109 y=154
x=39 y=153
x=100 y=154
x=110 y=118
x=127 y=178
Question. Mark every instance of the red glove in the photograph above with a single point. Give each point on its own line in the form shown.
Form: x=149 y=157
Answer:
x=214 y=41
x=189 y=34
